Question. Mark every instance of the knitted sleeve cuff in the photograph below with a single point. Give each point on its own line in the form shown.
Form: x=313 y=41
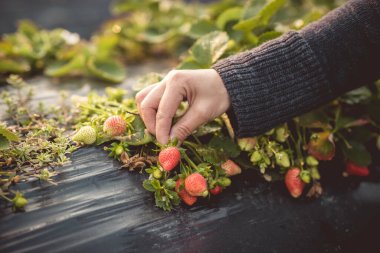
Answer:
x=272 y=83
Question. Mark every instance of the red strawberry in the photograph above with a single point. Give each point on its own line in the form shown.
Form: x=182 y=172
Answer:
x=169 y=158
x=216 y=190
x=231 y=168
x=196 y=185
x=353 y=169
x=114 y=126
x=293 y=182
x=184 y=195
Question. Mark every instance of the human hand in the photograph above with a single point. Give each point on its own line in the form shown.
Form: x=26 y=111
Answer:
x=203 y=89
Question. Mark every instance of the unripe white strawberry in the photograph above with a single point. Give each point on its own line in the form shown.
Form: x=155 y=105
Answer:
x=86 y=135
x=114 y=126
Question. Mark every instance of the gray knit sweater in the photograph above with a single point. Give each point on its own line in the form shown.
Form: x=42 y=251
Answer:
x=302 y=70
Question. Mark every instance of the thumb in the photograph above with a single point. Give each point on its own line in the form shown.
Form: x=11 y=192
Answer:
x=187 y=124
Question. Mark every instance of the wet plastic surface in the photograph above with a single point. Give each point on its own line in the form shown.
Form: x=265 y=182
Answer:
x=98 y=208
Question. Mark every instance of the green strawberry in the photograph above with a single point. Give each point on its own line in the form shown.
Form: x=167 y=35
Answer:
x=256 y=156
x=19 y=201
x=86 y=135
x=282 y=159
x=311 y=161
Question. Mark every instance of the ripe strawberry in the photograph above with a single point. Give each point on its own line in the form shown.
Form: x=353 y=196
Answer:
x=293 y=182
x=183 y=194
x=114 y=126
x=86 y=135
x=169 y=158
x=353 y=169
x=196 y=185
x=231 y=168
x=216 y=190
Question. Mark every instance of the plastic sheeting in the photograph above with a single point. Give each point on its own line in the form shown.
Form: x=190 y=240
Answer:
x=98 y=208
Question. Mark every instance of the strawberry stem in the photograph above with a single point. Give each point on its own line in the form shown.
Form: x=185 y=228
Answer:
x=192 y=148
x=188 y=160
x=6 y=198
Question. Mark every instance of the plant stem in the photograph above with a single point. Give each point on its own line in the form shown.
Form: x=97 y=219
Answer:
x=6 y=198
x=192 y=149
x=188 y=160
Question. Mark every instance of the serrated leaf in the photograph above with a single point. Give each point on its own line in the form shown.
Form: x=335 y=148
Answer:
x=210 y=155
x=140 y=135
x=170 y=183
x=155 y=184
x=148 y=186
x=209 y=48
x=262 y=18
x=225 y=145
x=358 y=153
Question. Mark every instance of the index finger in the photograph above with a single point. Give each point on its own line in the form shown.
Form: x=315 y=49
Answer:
x=172 y=97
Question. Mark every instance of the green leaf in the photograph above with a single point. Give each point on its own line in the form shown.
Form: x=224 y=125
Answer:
x=147 y=80
x=209 y=48
x=225 y=145
x=105 y=45
x=156 y=184
x=27 y=27
x=374 y=110
x=231 y=14
x=13 y=66
x=140 y=136
x=8 y=134
x=170 y=183
x=208 y=128
x=262 y=18
x=147 y=184
x=358 y=153
x=357 y=96
x=314 y=119
x=4 y=142
x=107 y=69
x=201 y=28
x=59 y=69
x=211 y=155
x=361 y=134
x=189 y=63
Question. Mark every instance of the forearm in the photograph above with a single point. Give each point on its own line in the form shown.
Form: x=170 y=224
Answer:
x=300 y=71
